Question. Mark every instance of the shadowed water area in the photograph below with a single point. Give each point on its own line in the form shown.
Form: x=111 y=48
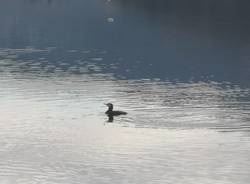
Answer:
x=181 y=69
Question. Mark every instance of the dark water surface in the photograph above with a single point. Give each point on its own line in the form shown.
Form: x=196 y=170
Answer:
x=181 y=69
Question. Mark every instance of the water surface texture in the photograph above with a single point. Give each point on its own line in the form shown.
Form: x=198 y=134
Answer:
x=180 y=69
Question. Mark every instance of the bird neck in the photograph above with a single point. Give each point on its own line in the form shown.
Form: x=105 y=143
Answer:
x=110 y=109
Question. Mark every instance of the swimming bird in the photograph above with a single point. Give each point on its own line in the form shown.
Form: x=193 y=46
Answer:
x=110 y=111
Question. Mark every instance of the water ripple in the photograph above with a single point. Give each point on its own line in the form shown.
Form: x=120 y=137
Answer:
x=54 y=130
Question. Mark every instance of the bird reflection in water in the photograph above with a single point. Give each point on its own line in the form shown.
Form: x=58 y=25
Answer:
x=111 y=118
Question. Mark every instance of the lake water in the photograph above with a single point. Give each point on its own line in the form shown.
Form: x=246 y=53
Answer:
x=180 y=69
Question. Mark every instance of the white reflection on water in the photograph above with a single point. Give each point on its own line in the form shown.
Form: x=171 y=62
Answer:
x=53 y=127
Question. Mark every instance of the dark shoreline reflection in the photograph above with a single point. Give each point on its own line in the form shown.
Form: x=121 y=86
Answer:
x=194 y=40
x=198 y=39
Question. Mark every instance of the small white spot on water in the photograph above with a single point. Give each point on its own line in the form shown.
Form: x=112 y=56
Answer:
x=110 y=19
x=97 y=59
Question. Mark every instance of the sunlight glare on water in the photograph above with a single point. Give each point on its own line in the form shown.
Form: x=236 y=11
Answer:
x=54 y=130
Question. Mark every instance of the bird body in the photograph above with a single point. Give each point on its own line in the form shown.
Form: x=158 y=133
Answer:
x=110 y=111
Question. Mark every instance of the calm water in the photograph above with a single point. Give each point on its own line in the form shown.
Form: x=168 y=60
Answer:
x=180 y=69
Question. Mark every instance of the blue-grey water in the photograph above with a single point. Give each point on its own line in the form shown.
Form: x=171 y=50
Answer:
x=181 y=69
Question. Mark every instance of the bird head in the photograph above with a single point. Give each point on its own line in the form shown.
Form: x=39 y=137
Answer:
x=110 y=105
